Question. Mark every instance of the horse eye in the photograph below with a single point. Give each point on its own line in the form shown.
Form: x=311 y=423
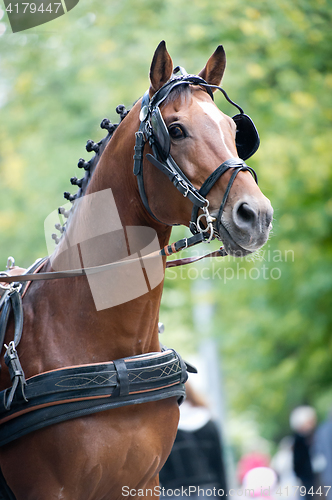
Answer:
x=176 y=132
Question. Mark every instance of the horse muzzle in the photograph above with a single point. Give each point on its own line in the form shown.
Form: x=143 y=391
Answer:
x=244 y=227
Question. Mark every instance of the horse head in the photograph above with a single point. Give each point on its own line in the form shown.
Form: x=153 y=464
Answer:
x=202 y=151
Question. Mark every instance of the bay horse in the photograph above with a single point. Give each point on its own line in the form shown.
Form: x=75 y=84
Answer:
x=116 y=453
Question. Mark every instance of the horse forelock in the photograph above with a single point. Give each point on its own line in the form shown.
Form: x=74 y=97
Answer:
x=182 y=92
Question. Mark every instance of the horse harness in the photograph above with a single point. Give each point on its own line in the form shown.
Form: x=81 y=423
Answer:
x=75 y=391
x=154 y=131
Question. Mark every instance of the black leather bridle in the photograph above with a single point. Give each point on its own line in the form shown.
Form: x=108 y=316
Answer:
x=154 y=131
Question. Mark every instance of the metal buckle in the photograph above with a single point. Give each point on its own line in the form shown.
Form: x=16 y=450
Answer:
x=10 y=346
x=185 y=186
x=12 y=287
x=186 y=239
x=209 y=222
x=15 y=287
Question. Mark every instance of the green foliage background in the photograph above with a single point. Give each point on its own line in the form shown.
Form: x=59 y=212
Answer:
x=59 y=80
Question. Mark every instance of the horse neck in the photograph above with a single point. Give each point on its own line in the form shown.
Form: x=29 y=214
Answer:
x=133 y=323
x=114 y=173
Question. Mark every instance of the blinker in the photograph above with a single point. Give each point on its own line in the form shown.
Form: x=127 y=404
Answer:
x=247 y=138
x=160 y=132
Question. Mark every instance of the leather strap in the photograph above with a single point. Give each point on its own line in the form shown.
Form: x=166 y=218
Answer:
x=75 y=391
x=190 y=260
x=3 y=297
x=166 y=251
x=4 y=319
x=138 y=156
x=13 y=303
x=179 y=180
x=181 y=244
x=122 y=373
x=162 y=94
x=17 y=308
x=237 y=164
x=16 y=375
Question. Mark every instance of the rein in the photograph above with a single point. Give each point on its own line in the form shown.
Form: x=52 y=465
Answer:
x=74 y=273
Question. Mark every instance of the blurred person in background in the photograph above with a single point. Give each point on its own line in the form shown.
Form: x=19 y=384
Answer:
x=196 y=458
x=322 y=447
x=282 y=464
x=303 y=421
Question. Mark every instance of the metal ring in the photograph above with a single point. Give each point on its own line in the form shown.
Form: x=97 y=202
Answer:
x=10 y=262
x=200 y=229
x=209 y=219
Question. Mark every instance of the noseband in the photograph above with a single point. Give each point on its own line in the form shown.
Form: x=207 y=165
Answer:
x=154 y=131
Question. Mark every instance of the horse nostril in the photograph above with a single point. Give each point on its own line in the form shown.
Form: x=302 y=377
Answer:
x=245 y=215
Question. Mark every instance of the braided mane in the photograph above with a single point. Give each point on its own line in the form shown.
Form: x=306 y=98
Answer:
x=89 y=167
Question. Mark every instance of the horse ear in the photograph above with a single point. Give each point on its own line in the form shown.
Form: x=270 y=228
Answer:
x=215 y=67
x=161 y=68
